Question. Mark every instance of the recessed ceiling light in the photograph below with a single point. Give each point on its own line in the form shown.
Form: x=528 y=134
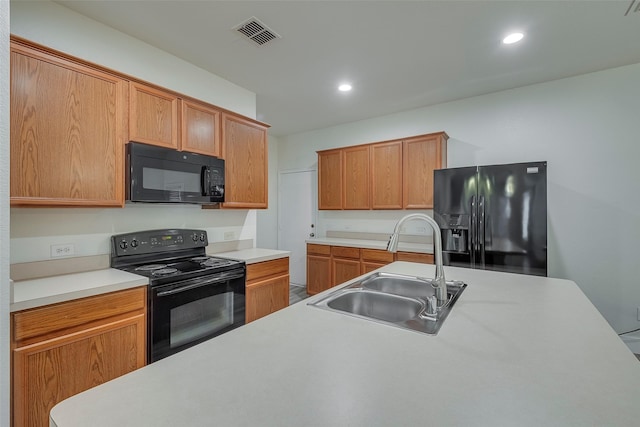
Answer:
x=512 y=38
x=344 y=87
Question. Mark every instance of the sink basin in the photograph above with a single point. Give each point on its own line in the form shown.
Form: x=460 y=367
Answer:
x=392 y=299
x=380 y=306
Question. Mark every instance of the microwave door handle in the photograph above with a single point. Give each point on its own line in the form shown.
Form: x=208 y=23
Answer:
x=205 y=179
x=201 y=283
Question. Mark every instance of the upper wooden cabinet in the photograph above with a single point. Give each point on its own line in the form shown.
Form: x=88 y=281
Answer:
x=386 y=175
x=153 y=116
x=200 y=128
x=245 y=151
x=421 y=156
x=68 y=130
x=356 y=177
x=394 y=174
x=330 y=179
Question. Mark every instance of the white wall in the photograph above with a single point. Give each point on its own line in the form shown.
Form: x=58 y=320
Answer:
x=585 y=127
x=34 y=230
x=4 y=214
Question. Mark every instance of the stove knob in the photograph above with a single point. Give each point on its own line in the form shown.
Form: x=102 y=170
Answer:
x=134 y=243
x=194 y=237
x=123 y=244
x=202 y=237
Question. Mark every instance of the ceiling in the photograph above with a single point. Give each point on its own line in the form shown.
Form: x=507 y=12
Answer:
x=398 y=55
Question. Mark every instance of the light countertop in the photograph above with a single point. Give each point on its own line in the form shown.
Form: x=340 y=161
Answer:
x=515 y=351
x=50 y=290
x=253 y=255
x=426 y=248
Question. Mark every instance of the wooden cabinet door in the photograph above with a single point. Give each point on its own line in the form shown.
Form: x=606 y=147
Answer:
x=344 y=269
x=245 y=151
x=386 y=175
x=48 y=372
x=421 y=156
x=330 y=179
x=356 y=177
x=153 y=116
x=318 y=273
x=68 y=130
x=266 y=296
x=200 y=126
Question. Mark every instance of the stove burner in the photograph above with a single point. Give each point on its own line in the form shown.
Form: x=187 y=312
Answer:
x=150 y=267
x=214 y=262
x=200 y=258
x=164 y=271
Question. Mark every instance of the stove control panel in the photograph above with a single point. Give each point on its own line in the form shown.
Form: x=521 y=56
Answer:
x=154 y=241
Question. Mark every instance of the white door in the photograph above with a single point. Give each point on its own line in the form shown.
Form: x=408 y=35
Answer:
x=297 y=203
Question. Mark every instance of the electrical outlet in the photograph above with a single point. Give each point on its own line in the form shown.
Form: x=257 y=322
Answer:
x=229 y=235
x=67 y=249
x=421 y=230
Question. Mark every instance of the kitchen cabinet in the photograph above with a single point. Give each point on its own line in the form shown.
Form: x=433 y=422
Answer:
x=329 y=265
x=318 y=268
x=345 y=264
x=414 y=257
x=386 y=175
x=394 y=174
x=267 y=288
x=153 y=116
x=68 y=127
x=421 y=156
x=372 y=259
x=356 y=178
x=245 y=151
x=63 y=349
x=200 y=130
x=330 y=179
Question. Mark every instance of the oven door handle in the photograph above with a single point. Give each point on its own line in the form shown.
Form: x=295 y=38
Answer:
x=201 y=283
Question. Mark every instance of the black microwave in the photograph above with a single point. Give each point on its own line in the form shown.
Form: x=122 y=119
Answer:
x=164 y=175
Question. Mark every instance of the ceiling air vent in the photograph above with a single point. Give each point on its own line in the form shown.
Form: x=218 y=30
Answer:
x=256 y=31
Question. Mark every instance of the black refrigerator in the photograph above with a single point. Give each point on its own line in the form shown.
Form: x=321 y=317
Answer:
x=493 y=217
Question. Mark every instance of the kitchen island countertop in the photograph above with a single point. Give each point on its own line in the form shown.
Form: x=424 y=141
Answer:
x=515 y=351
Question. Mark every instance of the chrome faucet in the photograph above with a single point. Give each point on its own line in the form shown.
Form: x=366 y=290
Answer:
x=439 y=283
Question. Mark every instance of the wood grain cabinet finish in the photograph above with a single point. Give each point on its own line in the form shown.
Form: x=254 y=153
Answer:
x=386 y=175
x=63 y=349
x=200 y=128
x=394 y=174
x=318 y=268
x=267 y=289
x=421 y=156
x=68 y=130
x=153 y=116
x=245 y=151
x=328 y=266
x=355 y=172
x=330 y=187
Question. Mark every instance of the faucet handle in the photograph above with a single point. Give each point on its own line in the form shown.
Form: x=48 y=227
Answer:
x=432 y=305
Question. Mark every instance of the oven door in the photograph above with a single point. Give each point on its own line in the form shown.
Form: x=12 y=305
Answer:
x=185 y=313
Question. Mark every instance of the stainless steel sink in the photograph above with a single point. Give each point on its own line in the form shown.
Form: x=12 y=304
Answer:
x=393 y=299
x=376 y=305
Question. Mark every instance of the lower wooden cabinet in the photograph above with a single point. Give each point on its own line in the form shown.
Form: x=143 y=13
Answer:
x=328 y=266
x=267 y=288
x=63 y=349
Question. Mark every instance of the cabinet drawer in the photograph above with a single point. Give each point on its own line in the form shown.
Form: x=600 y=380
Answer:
x=414 y=257
x=58 y=319
x=318 y=249
x=376 y=255
x=345 y=252
x=264 y=269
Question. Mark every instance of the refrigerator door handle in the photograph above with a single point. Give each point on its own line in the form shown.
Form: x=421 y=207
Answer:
x=481 y=230
x=473 y=240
